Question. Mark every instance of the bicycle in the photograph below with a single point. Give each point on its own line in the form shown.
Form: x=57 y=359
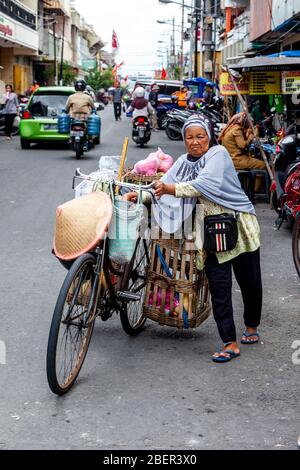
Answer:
x=93 y=287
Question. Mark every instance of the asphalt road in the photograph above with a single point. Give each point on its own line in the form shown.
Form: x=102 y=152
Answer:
x=159 y=390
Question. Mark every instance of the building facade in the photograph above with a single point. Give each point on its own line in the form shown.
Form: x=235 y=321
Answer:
x=19 y=42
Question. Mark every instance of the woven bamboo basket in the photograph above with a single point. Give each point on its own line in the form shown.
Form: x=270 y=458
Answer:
x=133 y=178
x=182 y=300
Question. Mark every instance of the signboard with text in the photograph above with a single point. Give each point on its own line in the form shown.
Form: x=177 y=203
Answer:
x=265 y=83
x=6 y=27
x=227 y=87
x=290 y=82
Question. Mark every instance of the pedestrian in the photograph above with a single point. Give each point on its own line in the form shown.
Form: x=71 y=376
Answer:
x=208 y=94
x=182 y=96
x=117 y=100
x=236 y=138
x=11 y=103
x=206 y=173
x=34 y=87
x=153 y=99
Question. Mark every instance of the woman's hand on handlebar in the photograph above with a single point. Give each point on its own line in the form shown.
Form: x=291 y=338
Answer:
x=161 y=188
x=131 y=197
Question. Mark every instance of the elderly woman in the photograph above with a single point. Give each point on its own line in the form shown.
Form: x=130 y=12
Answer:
x=206 y=173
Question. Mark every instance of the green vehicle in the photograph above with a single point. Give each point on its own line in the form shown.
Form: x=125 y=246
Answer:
x=39 y=119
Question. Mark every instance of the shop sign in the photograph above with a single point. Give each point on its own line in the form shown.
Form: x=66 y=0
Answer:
x=290 y=82
x=89 y=64
x=5 y=28
x=265 y=83
x=227 y=87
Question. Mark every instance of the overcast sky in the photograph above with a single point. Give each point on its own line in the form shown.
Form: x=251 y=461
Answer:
x=135 y=22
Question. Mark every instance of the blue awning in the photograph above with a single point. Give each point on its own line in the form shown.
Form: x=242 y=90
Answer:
x=291 y=25
x=285 y=54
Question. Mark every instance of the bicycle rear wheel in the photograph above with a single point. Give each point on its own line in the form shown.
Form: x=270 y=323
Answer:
x=131 y=313
x=72 y=325
x=296 y=243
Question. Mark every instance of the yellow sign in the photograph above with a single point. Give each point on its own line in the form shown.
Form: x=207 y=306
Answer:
x=265 y=83
x=290 y=82
x=227 y=88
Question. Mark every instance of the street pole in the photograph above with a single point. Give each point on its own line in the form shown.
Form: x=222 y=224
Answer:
x=181 y=44
x=208 y=55
x=201 y=37
x=62 y=53
x=55 y=58
x=197 y=8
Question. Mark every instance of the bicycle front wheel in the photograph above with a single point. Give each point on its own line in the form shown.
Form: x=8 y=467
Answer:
x=131 y=313
x=72 y=325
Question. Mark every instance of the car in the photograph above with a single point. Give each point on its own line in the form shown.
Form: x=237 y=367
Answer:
x=39 y=119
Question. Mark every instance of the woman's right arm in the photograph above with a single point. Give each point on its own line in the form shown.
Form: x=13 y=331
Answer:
x=242 y=142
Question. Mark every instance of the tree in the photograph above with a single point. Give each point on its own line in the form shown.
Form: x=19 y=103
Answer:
x=69 y=74
x=99 y=80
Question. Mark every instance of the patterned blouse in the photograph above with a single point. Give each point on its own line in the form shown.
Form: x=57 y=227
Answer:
x=248 y=227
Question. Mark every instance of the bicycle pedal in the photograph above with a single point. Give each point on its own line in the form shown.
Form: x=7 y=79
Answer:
x=129 y=296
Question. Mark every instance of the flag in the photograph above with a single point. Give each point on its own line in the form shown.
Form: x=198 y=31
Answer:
x=163 y=74
x=114 y=42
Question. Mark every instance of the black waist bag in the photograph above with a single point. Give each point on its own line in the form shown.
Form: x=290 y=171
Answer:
x=220 y=232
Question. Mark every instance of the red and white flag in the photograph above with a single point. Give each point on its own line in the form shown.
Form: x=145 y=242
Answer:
x=114 y=42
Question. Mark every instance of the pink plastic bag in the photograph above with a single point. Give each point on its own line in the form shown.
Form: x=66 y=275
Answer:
x=155 y=162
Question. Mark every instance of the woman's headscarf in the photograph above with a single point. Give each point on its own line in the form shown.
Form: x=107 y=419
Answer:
x=200 y=120
x=240 y=119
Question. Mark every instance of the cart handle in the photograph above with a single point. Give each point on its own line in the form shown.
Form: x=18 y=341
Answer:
x=137 y=187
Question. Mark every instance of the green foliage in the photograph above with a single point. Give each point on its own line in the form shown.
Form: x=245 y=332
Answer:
x=68 y=73
x=97 y=80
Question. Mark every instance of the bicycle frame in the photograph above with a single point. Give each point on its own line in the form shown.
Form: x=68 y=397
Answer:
x=104 y=265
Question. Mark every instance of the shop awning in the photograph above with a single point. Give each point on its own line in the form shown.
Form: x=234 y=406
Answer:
x=267 y=63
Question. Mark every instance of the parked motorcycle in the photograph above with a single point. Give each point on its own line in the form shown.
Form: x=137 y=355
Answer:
x=286 y=186
x=141 y=130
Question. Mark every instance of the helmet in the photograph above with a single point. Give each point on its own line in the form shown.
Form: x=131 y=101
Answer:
x=80 y=85
x=210 y=84
x=140 y=92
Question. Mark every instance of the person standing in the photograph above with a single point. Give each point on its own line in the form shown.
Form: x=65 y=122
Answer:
x=10 y=110
x=153 y=99
x=117 y=100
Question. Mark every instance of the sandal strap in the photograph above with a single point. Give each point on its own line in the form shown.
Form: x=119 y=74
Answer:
x=250 y=334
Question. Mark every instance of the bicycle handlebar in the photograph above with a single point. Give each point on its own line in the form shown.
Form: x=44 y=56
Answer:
x=138 y=187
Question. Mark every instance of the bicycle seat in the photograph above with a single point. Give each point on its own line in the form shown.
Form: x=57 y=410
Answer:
x=81 y=224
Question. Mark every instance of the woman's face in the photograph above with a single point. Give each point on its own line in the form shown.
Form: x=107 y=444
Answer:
x=8 y=88
x=196 y=141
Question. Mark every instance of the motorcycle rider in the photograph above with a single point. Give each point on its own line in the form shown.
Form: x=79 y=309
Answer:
x=140 y=106
x=80 y=104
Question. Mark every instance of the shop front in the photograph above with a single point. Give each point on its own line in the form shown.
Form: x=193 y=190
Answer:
x=18 y=44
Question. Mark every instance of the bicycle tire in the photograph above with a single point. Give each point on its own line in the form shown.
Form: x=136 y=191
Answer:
x=296 y=243
x=57 y=385
x=131 y=313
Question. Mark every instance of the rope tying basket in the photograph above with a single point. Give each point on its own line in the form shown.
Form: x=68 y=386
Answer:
x=177 y=293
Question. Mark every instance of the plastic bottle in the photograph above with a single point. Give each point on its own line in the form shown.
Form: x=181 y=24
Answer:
x=64 y=123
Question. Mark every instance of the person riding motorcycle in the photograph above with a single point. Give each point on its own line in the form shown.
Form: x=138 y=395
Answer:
x=140 y=106
x=80 y=104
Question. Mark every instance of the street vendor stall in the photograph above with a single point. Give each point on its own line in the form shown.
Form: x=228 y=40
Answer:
x=273 y=80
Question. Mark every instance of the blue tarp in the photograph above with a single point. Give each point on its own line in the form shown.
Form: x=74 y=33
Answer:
x=285 y=54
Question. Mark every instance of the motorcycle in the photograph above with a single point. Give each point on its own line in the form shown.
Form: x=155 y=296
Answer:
x=79 y=137
x=286 y=186
x=141 y=130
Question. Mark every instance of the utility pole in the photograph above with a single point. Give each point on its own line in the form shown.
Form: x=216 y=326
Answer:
x=55 y=58
x=197 y=18
x=208 y=54
x=62 y=53
x=181 y=44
